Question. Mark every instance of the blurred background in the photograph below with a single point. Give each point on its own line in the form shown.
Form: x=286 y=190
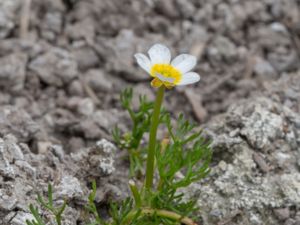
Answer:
x=63 y=64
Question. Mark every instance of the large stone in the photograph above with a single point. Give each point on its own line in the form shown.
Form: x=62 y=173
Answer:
x=17 y=122
x=100 y=157
x=18 y=218
x=264 y=70
x=8 y=12
x=6 y=24
x=258 y=124
x=69 y=188
x=236 y=184
x=55 y=67
x=98 y=80
x=84 y=29
x=222 y=49
x=13 y=71
x=85 y=57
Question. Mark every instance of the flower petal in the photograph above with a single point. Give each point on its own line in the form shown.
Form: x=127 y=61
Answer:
x=159 y=54
x=156 y=82
x=165 y=79
x=189 y=78
x=184 y=62
x=143 y=62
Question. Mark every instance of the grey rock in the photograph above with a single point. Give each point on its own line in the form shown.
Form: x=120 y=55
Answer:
x=12 y=148
x=264 y=70
x=85 y=57
x=222 y=49
x=71 y=216
x=8 y=12
x=286 y=91
x=26 y=167
x=6 y=25
x=297 y=218
x=282 y=213
x=83 y=29
x=69 y=188
x=12 y=161
x=167 y=8
x=12 y=71
x=291 y=94
x=255 y=218
x=86 y=107
x=19 y=218
x=106 y=146
x=76 y=144
x=6 y=170
x=108 y=150
x=284 y=62
x=51 y=25
x=4 y=98
x=262 y=164
x=30 y=47
x=186 y=8
x=89 y=128
x=55 y=67
x=17 y=122
x=100 y=158
x=54 y=5
x=291 y=222
x=259 y=125
x=278 y=27
x=32 y=171
x=106 y=119
x=290 y=186
x=7 y=202
x=238 y=184
x=282 y=159
x=194 y=39
x=48 y=35
x=53 y=21
x=239 y=17
x=43 y=147
x=76 y=88
x=58 y=151
x=98 y=80
x=71 y=103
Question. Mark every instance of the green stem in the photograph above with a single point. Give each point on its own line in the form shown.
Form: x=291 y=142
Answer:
x=161 y=213
x=136 y=194
x=58 y=219
x=152 y=137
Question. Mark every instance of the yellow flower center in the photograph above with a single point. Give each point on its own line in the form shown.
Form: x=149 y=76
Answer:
x=172 y=75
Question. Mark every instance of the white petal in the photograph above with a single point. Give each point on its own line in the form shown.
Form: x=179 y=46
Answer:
x=166 y=79
x=184 y=62
x=189 y=78
x=143 y=62
x=159 y=54
x=178 y=59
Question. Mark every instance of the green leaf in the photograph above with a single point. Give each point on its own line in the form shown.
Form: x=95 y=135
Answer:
x=50 y=196
x=34 y=211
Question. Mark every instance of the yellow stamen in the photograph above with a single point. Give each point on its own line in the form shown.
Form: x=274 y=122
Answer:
x=156 y=83
x=167 y=71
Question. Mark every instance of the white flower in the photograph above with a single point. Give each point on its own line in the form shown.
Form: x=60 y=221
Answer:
x=167 y=72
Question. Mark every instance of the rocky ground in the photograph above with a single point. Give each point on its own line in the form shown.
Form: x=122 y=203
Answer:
x=63 y=64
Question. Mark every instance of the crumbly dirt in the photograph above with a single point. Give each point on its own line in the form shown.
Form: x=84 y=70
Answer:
x=63 y=64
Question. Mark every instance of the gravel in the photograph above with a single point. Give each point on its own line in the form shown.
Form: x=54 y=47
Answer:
x=59 y=101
